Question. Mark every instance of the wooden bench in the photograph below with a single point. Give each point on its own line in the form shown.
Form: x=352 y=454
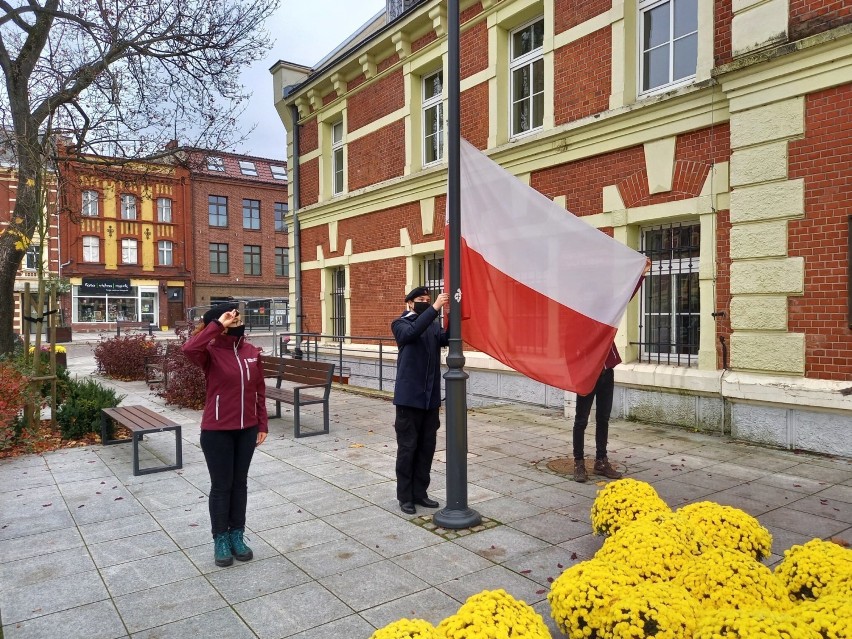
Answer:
x=305 y=375
x=141 y=421
x=156 y=366
x=141 y=326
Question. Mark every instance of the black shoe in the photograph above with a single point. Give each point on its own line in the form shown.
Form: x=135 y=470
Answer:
x=407 y=507
x=428 y=503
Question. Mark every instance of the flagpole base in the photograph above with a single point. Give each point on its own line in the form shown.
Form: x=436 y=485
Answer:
x=456 y=519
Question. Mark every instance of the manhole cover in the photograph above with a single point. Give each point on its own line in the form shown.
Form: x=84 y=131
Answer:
x=565 y=466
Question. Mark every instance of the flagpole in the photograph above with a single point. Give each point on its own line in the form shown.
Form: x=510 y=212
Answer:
x=456 y=514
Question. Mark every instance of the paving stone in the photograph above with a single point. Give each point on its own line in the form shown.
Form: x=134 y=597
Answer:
x=223 y=623
x=332 y=557
x=45 y=567
x=132 y=547
x=431 y=604
x=118 y=528
x=287 y=612
x=517 y=585
x=148 y=573
x=255 y=578
x=804 y=523
x=165 y=604
x=543 y=565
x=501 y=544
x=352 y=626
x=372 y=585
x=46 y=597
x=41 y=543
x=98 y=620
x=551 y=527
x=301 y=535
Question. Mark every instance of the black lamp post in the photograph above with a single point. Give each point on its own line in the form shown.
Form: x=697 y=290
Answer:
x=456 y=514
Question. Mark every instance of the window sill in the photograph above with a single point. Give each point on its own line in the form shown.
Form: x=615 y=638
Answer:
x=666 y=88
x=525 y=134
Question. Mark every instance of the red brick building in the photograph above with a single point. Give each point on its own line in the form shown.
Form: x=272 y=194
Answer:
x=125 y=245
x=239 y=206
x=712 y=136
x=44 y=247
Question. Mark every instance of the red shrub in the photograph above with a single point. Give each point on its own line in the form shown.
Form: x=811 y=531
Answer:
x=124 y=357
x=16 y=392
x=187 y=387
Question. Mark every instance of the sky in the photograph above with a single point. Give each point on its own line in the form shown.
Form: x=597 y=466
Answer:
x=304 y=32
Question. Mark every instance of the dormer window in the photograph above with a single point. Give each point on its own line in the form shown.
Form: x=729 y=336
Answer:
x=215 y=164
x=248 y=168
x=278 y=172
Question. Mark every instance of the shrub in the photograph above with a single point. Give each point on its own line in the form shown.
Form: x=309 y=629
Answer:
x=124 y=357
x=622 y=502
x=16 y=392
x=81 y=411
x=187 y=387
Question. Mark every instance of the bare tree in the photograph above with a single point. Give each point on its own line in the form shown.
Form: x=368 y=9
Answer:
x=114 y=78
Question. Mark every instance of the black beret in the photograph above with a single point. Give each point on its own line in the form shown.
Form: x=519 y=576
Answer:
x=218 y=311
x=416 y=292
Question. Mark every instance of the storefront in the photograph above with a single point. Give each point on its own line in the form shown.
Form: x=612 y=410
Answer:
x=98 y=300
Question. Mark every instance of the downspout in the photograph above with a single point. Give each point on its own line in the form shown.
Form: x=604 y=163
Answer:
x=297 y=245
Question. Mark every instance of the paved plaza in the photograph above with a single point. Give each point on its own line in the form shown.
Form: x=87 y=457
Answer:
x=91 y=551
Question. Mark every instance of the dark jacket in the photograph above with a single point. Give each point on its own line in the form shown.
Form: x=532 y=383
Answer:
x=418 y=366
x=236 y=390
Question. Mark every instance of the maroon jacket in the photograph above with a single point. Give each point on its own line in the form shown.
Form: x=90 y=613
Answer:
x=236 y=390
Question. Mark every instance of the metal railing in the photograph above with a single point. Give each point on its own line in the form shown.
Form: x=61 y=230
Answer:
x=363 y=357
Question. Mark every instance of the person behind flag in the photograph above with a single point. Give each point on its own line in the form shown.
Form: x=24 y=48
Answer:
x=417 y=395
x=601 y=396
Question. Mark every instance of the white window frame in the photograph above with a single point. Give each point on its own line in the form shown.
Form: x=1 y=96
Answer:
x=31 y=258
x=433 y=110
x=337 y=159
x=248 y=168
x=528 y=59
x=644 y=6
x=164 y=210
x=89 y=206
x=278 y=172
x=215 y=163
x=673 y=268
x=128 y=212
x=91 y=248
x=165 y=252
x=129 y=251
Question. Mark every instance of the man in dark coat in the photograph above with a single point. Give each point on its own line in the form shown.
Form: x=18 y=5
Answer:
x=417 y=395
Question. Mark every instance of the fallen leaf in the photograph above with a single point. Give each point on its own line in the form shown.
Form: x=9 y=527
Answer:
x=573 y=556
x=560 y=566
x=81 y=505
x=193 y=525
x=118 y=498
x=356 y=445
x=539 y=592
x=550 y=580
x=46 y=505
x=526 y=572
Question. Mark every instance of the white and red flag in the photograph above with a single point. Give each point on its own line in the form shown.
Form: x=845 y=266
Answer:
x=543 y=292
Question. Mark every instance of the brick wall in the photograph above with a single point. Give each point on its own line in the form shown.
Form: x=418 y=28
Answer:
x=474 y=45
x=311 y=315
x=570 y=13
x=375 y=101
x=309 y=182
x=473 y=105
x=723 y=283
x=378 y=156
x=821 y=238
x=808 y=17
x=236 y=281
x=723 y=16
x=582 y=77
x=377 y=296
x=308 y=136
x=422 y=41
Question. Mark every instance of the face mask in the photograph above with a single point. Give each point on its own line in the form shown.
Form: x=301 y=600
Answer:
x=237 y=331
x=420 y=307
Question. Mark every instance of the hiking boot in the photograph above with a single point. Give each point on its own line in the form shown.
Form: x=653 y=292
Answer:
x=580 y=474
x=603 y=467
x=238 y=546
x=222 y=550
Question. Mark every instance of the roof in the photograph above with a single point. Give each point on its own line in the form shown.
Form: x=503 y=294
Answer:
x=219 y=164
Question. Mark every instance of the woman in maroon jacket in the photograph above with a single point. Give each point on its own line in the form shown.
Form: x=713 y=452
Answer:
x=233 y=424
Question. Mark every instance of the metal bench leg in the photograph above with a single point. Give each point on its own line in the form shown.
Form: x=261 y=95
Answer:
x=136 y=439
x=325 y=416
x=104 y=428
x=277 y=409
x=178 y=448
x=297 y=432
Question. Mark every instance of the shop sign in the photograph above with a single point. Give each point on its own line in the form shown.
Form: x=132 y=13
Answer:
x=93 y=286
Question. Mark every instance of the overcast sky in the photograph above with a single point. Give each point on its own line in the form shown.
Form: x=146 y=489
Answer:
x=304 y=32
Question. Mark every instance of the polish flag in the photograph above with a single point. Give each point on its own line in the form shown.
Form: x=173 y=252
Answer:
x=542 y=291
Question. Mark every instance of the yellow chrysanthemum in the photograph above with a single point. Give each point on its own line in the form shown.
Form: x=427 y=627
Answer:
x=830 y=616
x=806 y=570
x=725 y=578
x=406 y=629
x=752 y=623
x=580 y=597
x=493 y=614
x=729 y=527
x=656 y=546
x=658 y=610
x=839 y=585
x=623 y=502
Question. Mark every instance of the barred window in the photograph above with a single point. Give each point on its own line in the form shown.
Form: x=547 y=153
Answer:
x=670 y=302
x=431 y=272
x=338 y=303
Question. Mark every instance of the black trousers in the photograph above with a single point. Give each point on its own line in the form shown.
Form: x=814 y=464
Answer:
x=228 y=454
x=602 y=397
x=416 y=433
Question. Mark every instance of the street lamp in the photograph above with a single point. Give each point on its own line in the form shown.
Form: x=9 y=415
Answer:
x=456 y=514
